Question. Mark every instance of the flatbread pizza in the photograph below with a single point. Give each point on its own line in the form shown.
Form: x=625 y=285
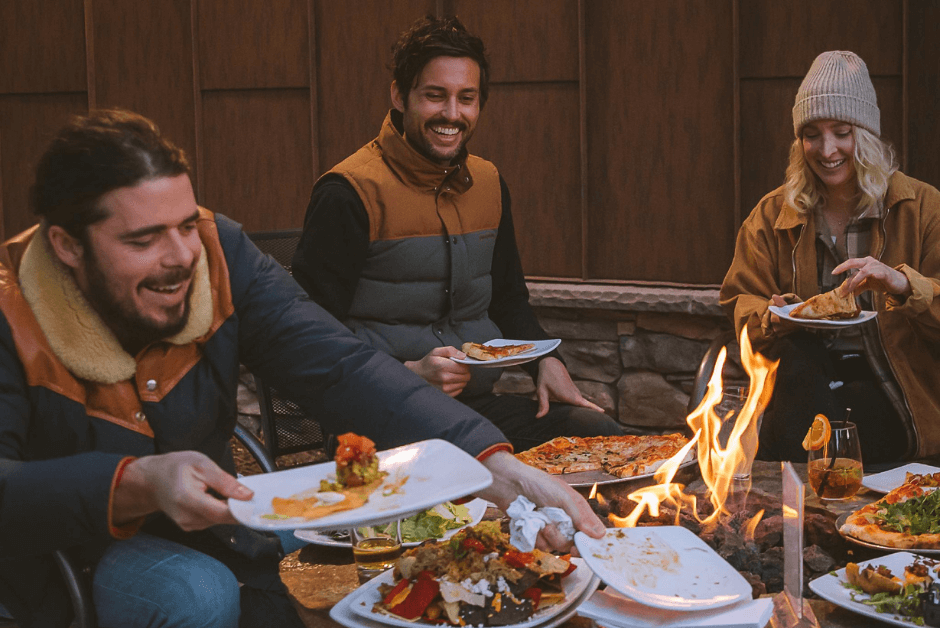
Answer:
x=906 y=518
x=620 y=456
x=490 y=352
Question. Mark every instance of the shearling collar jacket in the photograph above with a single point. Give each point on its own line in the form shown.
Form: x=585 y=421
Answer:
x=73 y=405
x=775 y=253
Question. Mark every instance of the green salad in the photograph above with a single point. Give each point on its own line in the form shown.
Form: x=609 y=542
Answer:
x=434 y=522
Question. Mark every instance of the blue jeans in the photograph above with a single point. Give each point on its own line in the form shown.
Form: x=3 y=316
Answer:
x=149 y=581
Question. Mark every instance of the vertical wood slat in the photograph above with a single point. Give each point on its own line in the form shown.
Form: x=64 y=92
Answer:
x=89 y=13
x=199 y=157
x=314 y=90
x=905 y=89
x=736 y=115
x=582 y=136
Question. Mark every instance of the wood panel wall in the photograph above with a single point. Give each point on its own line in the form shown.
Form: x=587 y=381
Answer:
x=635 y=136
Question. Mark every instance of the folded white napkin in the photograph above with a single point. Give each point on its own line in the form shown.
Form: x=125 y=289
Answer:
x=526 y=520
x=612 y=610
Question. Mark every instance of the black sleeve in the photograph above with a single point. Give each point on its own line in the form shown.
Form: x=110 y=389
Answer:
x=333 y=246
x=509 y=307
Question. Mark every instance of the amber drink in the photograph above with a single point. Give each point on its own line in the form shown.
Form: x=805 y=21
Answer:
x=375 y=549
x=835 y=469
x=839 y=481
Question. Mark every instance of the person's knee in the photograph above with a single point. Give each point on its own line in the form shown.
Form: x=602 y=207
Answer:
x=191 y=591
x=206 y=596
x=586 y=422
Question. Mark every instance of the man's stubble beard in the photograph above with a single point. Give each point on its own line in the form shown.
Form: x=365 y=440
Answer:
x=132 y=330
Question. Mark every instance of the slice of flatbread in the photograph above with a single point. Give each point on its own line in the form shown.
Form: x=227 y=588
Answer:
x=828 y=305
x=490 y=352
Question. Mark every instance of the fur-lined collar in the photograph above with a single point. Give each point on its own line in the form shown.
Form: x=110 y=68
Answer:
x=77 y=335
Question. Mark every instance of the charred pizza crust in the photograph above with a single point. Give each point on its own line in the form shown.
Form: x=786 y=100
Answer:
x=867 y=523
x=491 y=352
x=620 y=456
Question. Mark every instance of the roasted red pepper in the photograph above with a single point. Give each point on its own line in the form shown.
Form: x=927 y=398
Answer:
x=423 y=592
x=518 y=559
x=474 y=545
x=398 y=589
x=534 y=594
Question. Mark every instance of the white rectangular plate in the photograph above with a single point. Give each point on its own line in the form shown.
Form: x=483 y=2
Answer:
x=475 y=507
x=887 y=481
x=343 y=614
x=541 y=348
x=612 y=610
x=830 y=587
x=663 y=567
x=436 y=471
x=784 y=313
x=575 y=585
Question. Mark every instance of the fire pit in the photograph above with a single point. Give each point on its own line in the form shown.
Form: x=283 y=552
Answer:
x=751 y=537
x=742 y=523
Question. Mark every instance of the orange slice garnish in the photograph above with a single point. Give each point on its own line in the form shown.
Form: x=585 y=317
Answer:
x=818 y=434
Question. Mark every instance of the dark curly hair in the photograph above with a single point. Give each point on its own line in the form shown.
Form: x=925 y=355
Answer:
x=93 y=155
x=432 y=37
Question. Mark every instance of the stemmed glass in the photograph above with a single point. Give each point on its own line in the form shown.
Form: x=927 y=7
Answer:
x=835 y=469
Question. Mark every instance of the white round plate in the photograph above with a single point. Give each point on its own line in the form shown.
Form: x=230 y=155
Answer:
x=784 y=313
x=541 y=348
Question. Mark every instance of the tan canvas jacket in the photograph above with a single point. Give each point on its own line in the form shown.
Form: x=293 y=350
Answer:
x=775 y=253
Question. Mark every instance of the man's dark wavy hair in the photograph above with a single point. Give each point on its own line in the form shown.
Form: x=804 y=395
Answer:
x=432 y=37
x=93 y=155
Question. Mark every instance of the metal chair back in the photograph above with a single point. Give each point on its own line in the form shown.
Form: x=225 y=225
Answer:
x=287 y=428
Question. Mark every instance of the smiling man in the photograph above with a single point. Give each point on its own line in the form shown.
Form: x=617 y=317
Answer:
x=124 y=315
x=410 y=242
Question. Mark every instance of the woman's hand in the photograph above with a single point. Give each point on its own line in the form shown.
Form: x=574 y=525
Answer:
x=781 y=326
x=873 y=275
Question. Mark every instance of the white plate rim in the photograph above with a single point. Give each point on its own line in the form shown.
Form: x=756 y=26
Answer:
x=541 y=348
x=784 y=313
x=364 y=593
x=467 y=476
x=884 y=482
x=829 y=587
x=476 y=507
x=588 y=545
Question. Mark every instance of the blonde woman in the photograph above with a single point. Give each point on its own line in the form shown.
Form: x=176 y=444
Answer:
x=845 y=212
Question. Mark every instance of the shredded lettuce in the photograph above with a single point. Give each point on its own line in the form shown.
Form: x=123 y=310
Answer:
x=434 y=522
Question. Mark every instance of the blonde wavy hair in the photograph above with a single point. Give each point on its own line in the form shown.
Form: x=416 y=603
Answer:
x=875 y=162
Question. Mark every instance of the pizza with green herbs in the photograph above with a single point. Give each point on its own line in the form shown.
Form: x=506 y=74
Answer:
x=906 y=518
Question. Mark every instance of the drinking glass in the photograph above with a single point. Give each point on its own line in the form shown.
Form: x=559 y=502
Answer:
x=732 y=402
x=835 y=469
x=375 y=549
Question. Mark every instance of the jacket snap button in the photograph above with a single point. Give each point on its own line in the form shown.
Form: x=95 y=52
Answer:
x=140 y=416
x=151 y=385
x=232 y=540
x=454 y=240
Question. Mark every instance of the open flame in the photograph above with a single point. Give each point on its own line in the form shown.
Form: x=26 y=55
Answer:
x=718 y=464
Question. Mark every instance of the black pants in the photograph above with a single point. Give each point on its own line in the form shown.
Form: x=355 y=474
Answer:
x=802 y=391
x=515 y=416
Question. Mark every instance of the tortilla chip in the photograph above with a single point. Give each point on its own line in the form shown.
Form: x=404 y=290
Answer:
x=312 y=508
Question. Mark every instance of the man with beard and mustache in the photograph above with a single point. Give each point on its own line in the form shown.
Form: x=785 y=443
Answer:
x=124 y=316
x=410 y=242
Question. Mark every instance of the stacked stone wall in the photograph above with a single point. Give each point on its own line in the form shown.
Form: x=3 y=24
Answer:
x=632 y=350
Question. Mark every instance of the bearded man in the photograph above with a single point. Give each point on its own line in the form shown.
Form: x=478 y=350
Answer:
x=124 y=315
x=410 y=242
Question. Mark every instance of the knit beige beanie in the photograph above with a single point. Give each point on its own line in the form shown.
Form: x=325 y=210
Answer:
x=837 y=87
